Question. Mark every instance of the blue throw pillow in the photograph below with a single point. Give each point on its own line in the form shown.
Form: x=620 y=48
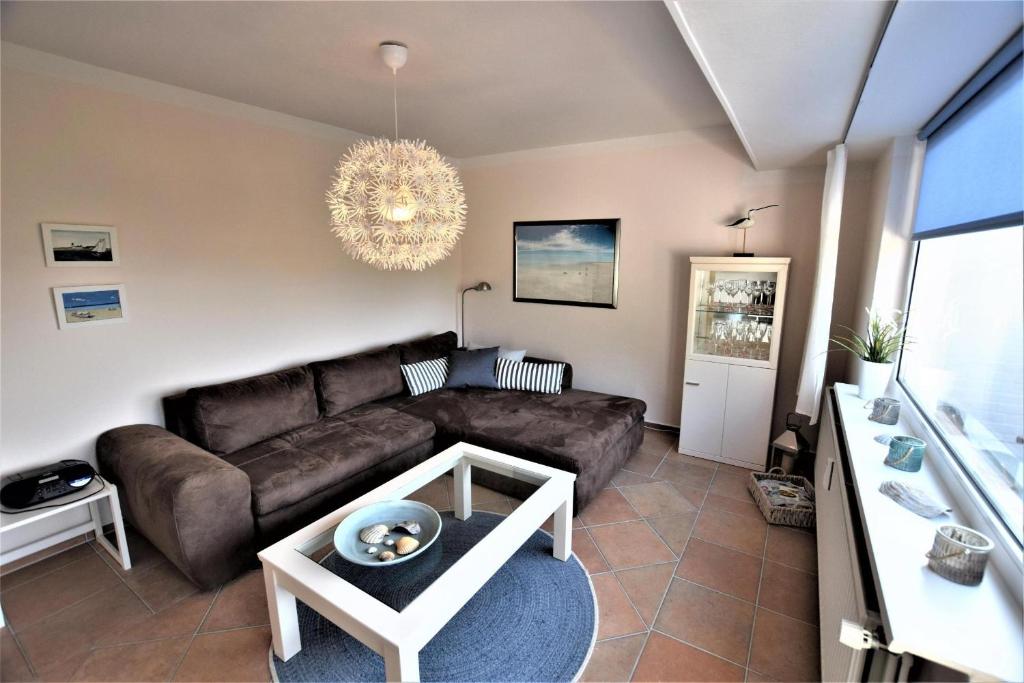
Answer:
x=472 y=369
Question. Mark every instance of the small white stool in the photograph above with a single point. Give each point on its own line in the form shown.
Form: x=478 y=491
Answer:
x=107 y=491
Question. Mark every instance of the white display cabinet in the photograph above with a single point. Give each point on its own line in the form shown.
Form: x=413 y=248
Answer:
x=734 y=328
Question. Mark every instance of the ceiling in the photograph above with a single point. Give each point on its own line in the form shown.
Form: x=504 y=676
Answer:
x=482 y=77
x=930 y=49
x=786 y=71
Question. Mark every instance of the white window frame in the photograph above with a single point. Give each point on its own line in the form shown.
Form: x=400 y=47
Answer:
x=1008 y=555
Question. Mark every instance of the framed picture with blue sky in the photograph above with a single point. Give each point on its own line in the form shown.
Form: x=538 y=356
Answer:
x=568 y=262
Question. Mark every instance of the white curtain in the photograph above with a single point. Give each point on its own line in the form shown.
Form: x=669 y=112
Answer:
x=812 y=370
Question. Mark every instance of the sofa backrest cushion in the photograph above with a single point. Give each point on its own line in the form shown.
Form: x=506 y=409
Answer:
x=350 y=381
x=438 y=346
x=230 y=416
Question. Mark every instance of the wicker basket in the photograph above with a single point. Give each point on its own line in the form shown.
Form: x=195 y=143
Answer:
x=776 y=514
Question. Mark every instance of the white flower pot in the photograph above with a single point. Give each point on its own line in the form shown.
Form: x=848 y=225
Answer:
x=874 y=378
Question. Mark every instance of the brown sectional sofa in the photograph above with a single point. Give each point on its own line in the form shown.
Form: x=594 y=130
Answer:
x=242 y=464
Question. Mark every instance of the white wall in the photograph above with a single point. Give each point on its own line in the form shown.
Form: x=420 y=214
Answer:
x=229 y=267
x=673 y=194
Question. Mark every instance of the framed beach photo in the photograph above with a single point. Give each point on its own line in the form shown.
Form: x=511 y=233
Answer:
x=574 y=263
x=89 y=305
x=67 y=245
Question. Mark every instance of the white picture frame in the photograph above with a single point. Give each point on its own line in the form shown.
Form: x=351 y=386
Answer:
x=67 y=245
x=88 y=305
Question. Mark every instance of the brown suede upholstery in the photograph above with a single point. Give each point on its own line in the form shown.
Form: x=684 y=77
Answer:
x=438 y=346
x=351 y=381
x=283 y=465
x=288 y=468
x=230 y=416
x=194 y=507
x=583 y=432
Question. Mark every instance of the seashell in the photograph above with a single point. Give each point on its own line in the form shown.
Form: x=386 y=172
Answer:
x=389 y=541
x=408 y=527
x=373 y=534
x=386 y=555
x=372 y=549
x=406 y=544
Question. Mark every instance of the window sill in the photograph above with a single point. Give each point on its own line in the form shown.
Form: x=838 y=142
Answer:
x=972 y=629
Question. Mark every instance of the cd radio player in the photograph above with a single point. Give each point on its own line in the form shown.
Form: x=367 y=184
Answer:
x=45 y=483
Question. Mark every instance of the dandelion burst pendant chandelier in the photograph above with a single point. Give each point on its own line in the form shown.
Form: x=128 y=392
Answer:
x=396 y=204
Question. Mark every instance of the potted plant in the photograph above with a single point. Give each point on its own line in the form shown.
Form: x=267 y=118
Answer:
x=876 y=350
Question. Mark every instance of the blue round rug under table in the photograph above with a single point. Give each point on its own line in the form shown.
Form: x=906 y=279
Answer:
x=535 y=620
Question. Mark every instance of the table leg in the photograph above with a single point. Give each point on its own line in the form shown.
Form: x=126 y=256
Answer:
x=402 y=664
x=563 y=530
x=463 y=491
x=122 y=540
x=284 y=617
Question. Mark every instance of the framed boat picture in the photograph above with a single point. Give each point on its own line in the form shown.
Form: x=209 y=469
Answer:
x=573 y=263
x=89 y=305
x=68 y=245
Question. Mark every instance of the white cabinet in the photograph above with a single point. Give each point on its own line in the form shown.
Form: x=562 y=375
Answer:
x=733 y=335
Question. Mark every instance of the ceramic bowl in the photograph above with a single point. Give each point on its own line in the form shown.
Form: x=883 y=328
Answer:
x=390 y=512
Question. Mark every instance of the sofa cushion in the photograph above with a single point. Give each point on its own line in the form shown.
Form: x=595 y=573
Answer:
x=230 y=416
x=288 y=468
x=350 y=381
x=438 y=346
x=472 y=369
x=568 y=430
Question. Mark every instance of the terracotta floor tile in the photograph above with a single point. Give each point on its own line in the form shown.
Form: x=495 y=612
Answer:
x=693 y=495
x=784 y=648
x=434 y=494
x=731 y=486
x=678 y=471
x=711 y=621
x=240 y=655
x=613 y=660
x=790 y=591
x=743 y=472
x=584 y=549
x=616 y=616
x=180 y=619
x=657 y=500
x=62 y=639
x=630 y=544
x=152 y=661
x=13 y=579
x=161 y=585
x=665 y=659
x=654 y=437
x=721 y=569
x=627 y=478
x=646 y=586
x=736 y=507
x=697 y=462
x=606 y=507
x=479 y=494
x=792 y=547
x=674 y=530
x=13 y=666
x=724 y=528
x=33 y=601
x=755 y=677
x=501 y=507
x=643 y=463
x=243 y=602
x=143 y=554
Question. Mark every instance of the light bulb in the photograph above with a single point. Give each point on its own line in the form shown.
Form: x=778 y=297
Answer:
x=403 y=208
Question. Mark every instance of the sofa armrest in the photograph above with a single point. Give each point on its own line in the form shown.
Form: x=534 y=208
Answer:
x=192 y=505
x=566 y=374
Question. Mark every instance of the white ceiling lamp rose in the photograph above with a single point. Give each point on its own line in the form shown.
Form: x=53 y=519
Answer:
x=396 y=204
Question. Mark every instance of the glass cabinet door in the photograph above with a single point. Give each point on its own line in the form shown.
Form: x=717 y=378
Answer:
x=734 y=315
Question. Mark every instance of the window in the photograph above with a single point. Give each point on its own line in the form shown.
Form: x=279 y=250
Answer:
x=965 y=365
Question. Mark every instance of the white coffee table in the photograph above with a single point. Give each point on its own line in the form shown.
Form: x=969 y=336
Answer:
x=291 y=569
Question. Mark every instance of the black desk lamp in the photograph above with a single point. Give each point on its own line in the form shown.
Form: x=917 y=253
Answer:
x=479 y=287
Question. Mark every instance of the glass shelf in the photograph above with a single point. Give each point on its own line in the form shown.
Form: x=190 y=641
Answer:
x=735 y=313
x=759 y=311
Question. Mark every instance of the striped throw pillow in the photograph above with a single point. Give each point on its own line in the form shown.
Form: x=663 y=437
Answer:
x=545 y=378
x=425 y=376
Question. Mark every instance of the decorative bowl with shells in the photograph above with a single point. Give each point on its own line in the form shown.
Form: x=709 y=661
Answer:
x=388 y=513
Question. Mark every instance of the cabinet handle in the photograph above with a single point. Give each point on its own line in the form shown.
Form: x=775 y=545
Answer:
x=693 y=384
x=831 y=469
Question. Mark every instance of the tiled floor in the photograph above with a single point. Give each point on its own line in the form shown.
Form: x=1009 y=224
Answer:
x=691 y=585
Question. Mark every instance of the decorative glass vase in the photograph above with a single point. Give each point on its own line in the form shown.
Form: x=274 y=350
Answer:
x=874 y=378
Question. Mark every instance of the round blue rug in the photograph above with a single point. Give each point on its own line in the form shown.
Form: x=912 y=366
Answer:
x=535 y=620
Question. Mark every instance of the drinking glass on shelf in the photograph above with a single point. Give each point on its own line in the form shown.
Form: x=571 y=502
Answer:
x=758 y=295
x=748 y=290
x=771 y=293
x=731 y=288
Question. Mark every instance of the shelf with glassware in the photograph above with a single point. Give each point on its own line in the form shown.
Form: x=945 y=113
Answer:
x=732 y=349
